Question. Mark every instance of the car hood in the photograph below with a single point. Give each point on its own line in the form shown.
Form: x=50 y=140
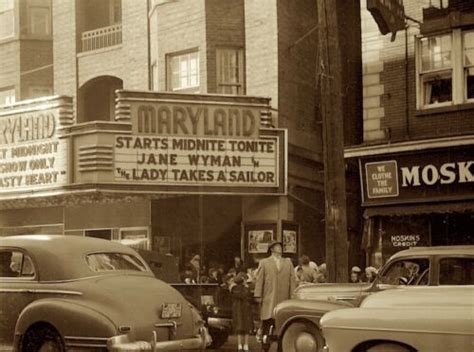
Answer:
x=135 y=301
x=331 y=291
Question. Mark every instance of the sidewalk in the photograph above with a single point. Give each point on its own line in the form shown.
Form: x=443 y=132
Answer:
x=231 y=345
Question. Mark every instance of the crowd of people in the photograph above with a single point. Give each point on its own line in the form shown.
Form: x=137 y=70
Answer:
x=369 y=274
x=273 y=281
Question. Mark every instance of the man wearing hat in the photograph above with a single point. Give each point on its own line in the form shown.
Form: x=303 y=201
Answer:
x=275 y=283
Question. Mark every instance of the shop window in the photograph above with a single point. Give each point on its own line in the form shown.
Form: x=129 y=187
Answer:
x=136 y=238
x=105 y=234
x=445 y=69
x=183 y=72
x=230 y=67
x=39 y=20
x=456 y=271
x=7 y=19
x=15 y=264
x=7 y=96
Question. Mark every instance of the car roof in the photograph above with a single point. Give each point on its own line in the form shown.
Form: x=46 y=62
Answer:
x=409 y=296
x=58 y=257
x=434 y=250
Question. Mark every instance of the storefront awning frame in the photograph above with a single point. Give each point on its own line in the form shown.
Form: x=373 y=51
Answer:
x=417 y=209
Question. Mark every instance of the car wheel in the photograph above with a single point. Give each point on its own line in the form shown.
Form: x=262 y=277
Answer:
x=388 y=347
x=42 y=338
x=219 y=338
x=301 y=336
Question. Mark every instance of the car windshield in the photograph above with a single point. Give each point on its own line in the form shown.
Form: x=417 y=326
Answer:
x=406 y=272
x=114 y=261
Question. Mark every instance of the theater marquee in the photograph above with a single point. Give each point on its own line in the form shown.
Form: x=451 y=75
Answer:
x=200 y=144
x=32 y=157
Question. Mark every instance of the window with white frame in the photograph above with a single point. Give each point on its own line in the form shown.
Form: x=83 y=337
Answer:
x=40 y=20
x=230 y=71
x=7 y=19
x=445 y=67
x=468 y=61
x=7 y=96
x=183 y=72
x=436 y=73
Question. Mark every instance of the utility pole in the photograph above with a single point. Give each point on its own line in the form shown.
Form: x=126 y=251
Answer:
x=330 y=85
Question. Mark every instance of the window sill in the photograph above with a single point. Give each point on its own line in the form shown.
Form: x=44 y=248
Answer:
x=444 y=109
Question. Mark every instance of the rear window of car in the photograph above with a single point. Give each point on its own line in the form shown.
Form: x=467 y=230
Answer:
x=99 y=262
x=456 y=271
x=15 y=264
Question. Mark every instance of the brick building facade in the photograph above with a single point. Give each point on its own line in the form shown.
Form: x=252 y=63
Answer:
x=226 y=49
x=416 y=160
x=25 y=50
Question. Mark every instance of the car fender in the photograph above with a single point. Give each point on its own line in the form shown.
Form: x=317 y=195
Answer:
x=295 y=309
x=72 y=319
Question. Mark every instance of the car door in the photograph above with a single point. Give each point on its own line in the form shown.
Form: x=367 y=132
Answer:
x=17 y=282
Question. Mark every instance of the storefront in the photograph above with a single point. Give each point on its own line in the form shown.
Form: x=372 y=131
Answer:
x=173 y=173
x=416 y=194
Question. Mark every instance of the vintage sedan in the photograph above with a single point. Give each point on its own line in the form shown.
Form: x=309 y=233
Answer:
x=406 y=320
x=67 y=293
x=297 y=321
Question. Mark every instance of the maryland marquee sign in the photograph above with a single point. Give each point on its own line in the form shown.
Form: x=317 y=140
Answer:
x=199 y=144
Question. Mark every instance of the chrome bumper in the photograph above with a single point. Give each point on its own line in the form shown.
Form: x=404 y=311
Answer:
x=122 y=343
x=219 y=323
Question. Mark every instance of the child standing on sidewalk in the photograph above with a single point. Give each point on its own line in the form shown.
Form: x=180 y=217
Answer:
x=242 y=319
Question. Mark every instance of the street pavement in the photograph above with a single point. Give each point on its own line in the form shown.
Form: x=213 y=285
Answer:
x=231 y=345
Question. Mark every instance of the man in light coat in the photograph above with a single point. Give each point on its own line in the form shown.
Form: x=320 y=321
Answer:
x=275 y=283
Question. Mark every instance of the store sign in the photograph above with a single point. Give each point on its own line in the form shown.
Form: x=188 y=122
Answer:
x=388 y=14
x=382 y=180
x=398 y=234
x=420 y=177
x=197 y=161
x=31 y=157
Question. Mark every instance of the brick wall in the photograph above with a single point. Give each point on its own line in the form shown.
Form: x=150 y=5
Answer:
x=297 y=49
x=224 y=28
x=372 y=69
x=64 y=47
x=181 y=26
x=388 y=115
x=261 y=44
x=135 y=44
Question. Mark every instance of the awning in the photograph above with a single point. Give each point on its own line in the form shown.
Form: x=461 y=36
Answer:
x=416 y=209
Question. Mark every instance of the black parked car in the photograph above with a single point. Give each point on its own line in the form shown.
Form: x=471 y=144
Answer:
x=213 y=301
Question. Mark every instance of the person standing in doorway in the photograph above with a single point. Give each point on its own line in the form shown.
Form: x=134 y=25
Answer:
x=275 y=283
